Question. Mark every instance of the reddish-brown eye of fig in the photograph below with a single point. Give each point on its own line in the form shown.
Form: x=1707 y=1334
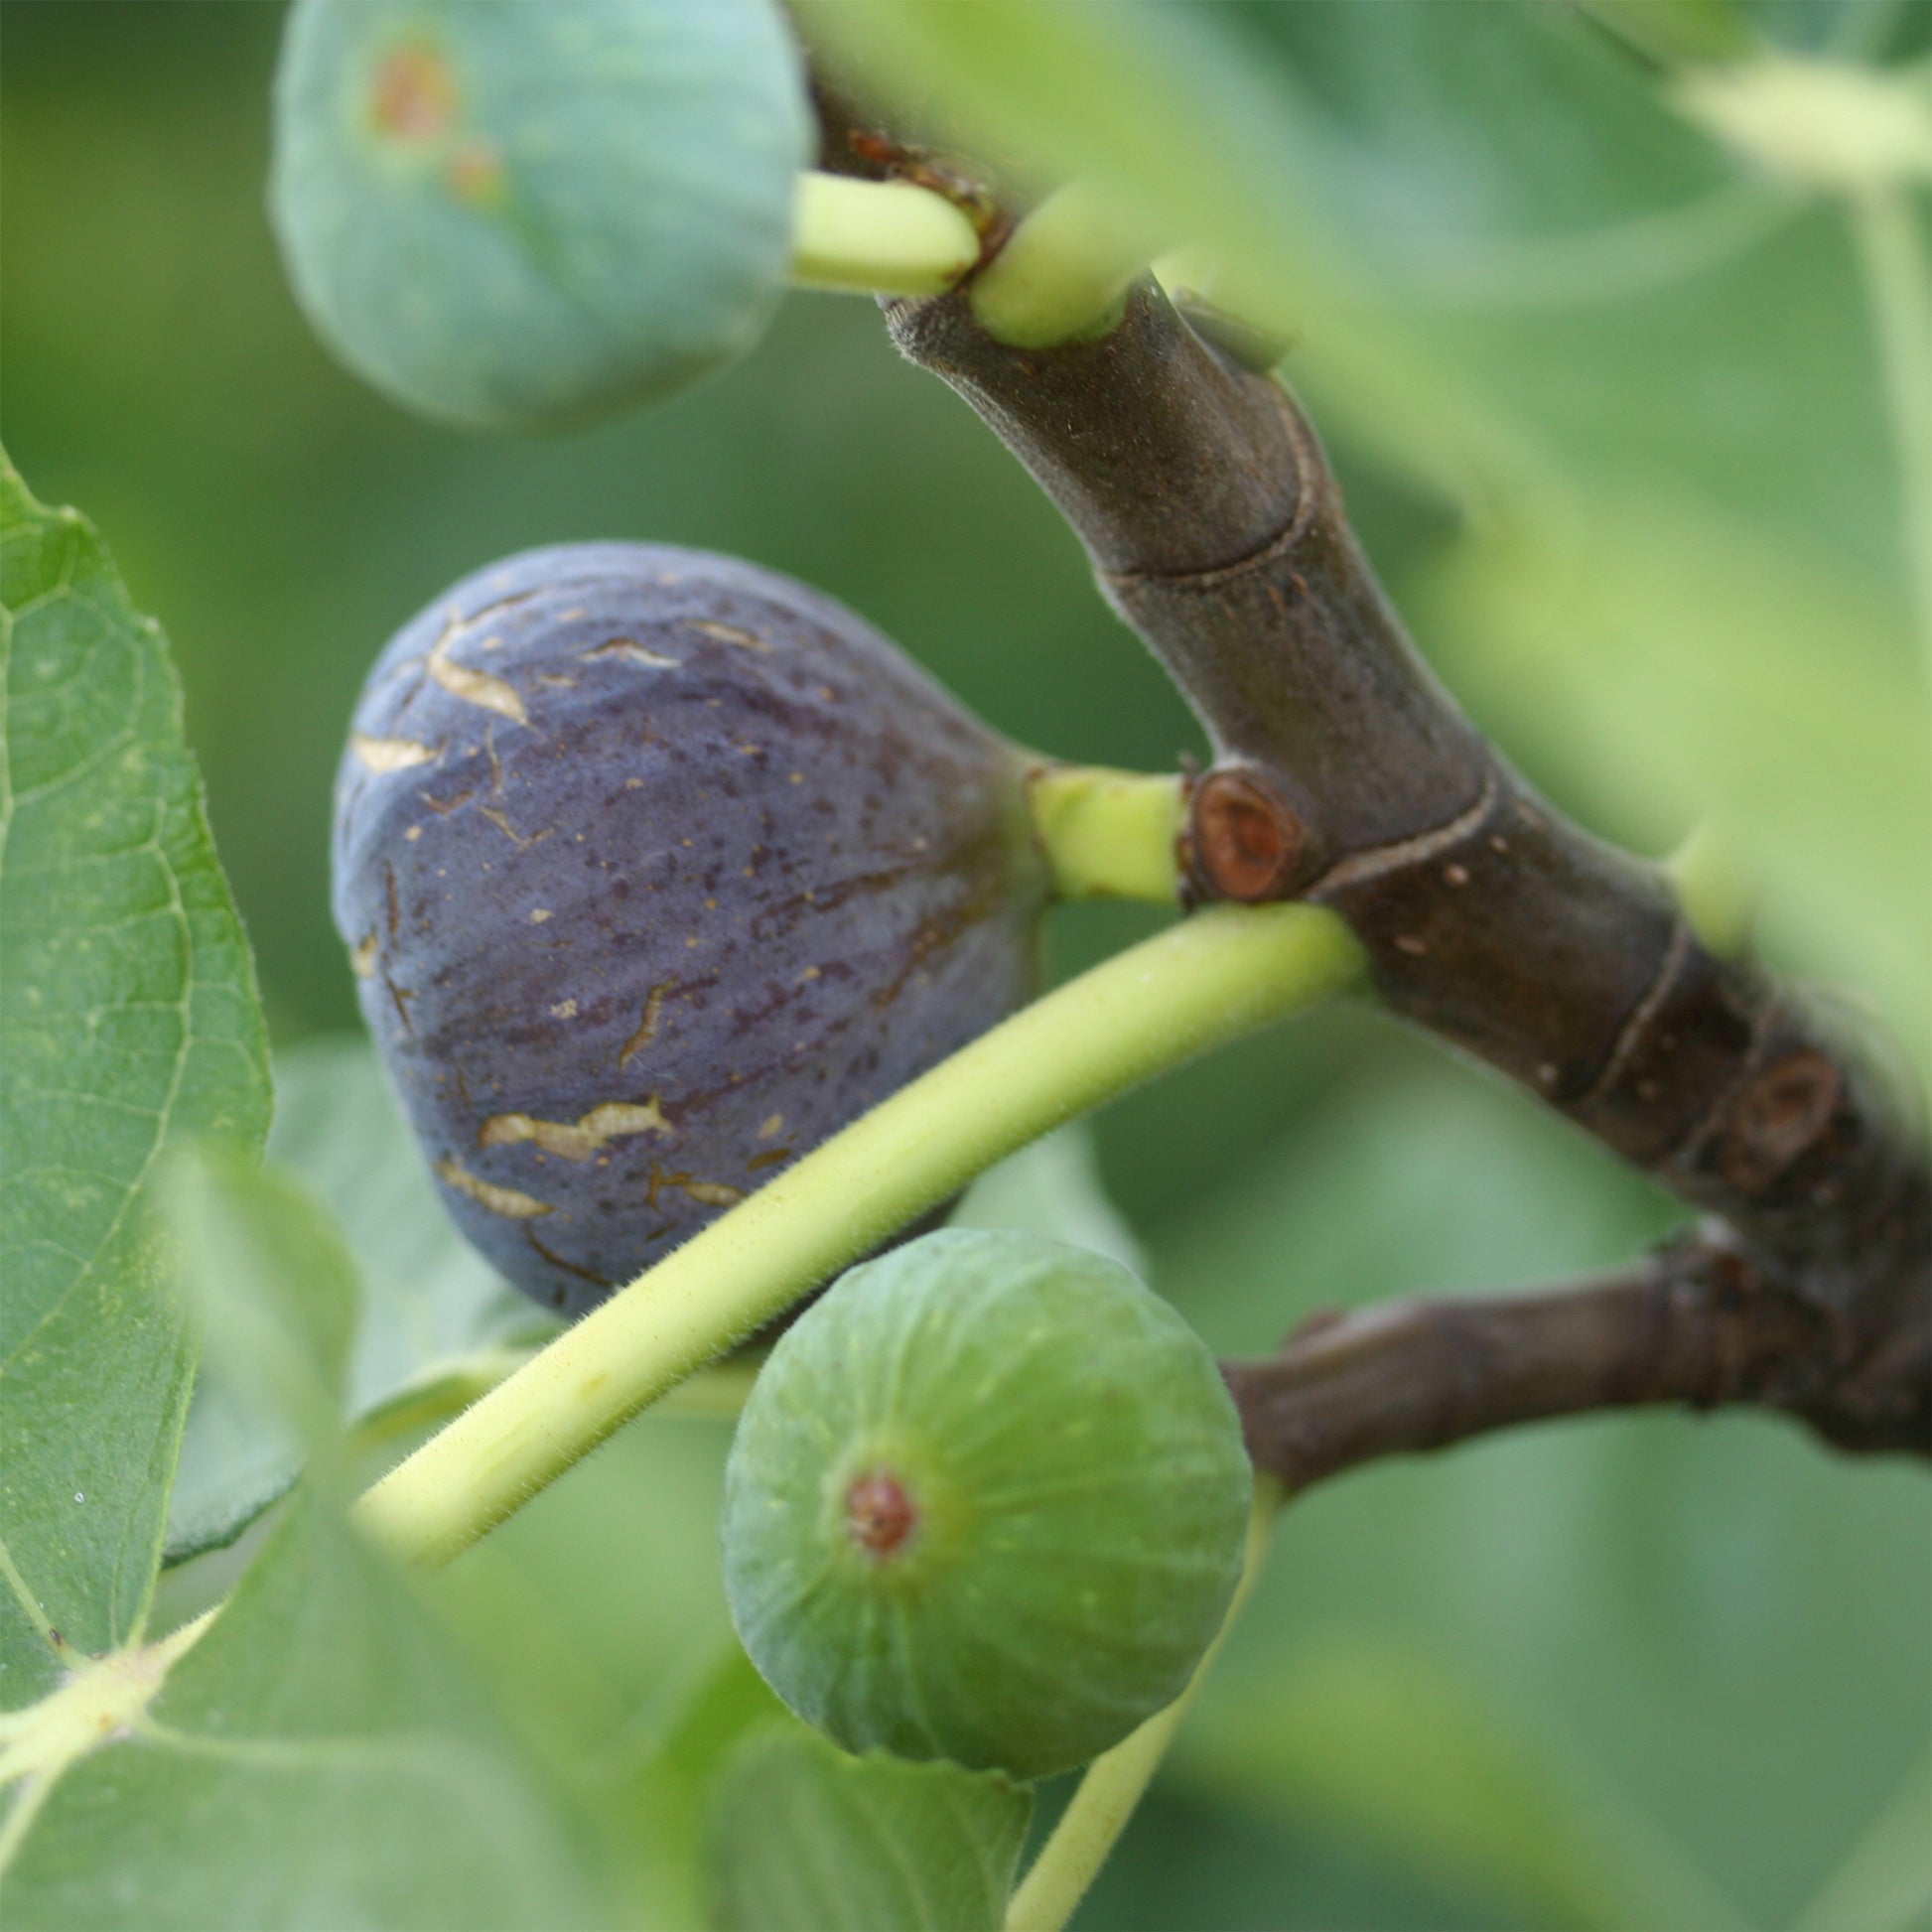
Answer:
x=879 y=1514
x=414 y=95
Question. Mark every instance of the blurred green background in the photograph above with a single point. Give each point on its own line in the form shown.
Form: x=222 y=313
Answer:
x=1662 y=1673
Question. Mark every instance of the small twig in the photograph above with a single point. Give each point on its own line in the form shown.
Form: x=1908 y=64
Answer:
x=1697 y=1325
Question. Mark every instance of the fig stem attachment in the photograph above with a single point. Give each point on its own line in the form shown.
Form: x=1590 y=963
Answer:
x=1062 y=275
x=1108 y=834
x=877 y=237
x=1717 y=886
x=1114 y=1783
x=1205 y=981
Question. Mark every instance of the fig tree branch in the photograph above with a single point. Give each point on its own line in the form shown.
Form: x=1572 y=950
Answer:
x=1346 y=776
x=1695 y=1327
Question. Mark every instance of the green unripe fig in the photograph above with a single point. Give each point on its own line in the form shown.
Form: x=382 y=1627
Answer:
x=987 y=1502
x=516 y=214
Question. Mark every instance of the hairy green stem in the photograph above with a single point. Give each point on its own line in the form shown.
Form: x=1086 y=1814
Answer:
x=1115 y=1781
x=1205 y=981
x=877 y=237
x=1898 y=281
x=1108 y=834
x=714 y=1394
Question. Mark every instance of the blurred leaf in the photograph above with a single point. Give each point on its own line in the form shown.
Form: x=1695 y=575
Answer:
x=1125 y=92
x=232 y=1470
x=433 y=1317
x=1508 y=256
x=1432 y=1180
x=669 y=1758
x=1884 y=1884
x=1676 y=30
x=1713 y=1631
x=318 y=1755
x=429 y=1295
x=265 y=1269
x=598 y=1613
x=1683 y=664
x=1383 y=1741
x=1509 y=263
x=1195 y=1858
x=709 y=1716
x=128 y=1022
x=808 y=1840
x=319 y=1759
x=1054 y=1190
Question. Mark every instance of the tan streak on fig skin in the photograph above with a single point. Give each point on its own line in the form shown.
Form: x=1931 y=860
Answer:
x=635 y=653
x=613 y=1120
x=647 y=1025
x=363 y=959
x=509 y=831
x=711 y=1194
x=474 y=686
x=729 y=633
x=382 y=754
x=509 y=1202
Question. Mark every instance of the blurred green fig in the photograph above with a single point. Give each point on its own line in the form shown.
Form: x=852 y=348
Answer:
x=520 y=214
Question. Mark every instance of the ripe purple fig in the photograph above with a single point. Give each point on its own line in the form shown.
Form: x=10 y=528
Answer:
x=655 y=868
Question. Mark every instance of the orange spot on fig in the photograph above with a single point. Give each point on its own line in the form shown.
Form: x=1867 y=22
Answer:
x=473 y=174
x=414 y=94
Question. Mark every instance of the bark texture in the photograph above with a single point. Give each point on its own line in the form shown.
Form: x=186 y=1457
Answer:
x=1346 y=776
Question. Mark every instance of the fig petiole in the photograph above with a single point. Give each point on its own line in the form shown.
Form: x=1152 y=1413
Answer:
x=1112 y=1785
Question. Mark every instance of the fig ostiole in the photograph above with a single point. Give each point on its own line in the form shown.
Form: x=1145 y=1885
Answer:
x=987 y=1502
x=522 y=215
x=655 y=868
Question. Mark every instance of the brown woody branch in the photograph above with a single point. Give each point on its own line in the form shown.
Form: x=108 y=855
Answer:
x=1346 y=776
x=1693 y=1326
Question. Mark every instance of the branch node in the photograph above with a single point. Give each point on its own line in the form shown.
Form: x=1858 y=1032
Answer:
x=1243 y=842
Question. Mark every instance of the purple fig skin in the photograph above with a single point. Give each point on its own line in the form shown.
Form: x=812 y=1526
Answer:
x=655 y=868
